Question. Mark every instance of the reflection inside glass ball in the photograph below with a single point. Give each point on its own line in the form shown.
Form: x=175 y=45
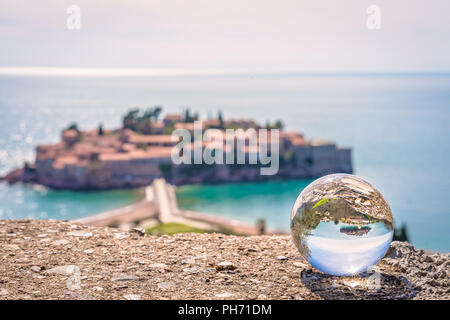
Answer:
x=341 y=224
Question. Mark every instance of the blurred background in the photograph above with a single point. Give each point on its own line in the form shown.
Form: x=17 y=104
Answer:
x=385 y=93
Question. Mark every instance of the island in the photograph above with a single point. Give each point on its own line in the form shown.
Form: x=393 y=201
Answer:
x=139 y=152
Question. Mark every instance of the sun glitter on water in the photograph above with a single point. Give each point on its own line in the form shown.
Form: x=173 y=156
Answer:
x=341 y=224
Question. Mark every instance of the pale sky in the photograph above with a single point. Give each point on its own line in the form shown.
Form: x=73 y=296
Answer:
x=253 y=35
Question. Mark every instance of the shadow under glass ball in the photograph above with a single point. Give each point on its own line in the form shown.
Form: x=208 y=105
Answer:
x=341 y=224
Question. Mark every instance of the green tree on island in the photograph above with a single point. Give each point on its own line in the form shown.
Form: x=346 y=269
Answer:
x=72 y=126
x=188 y=116
x=141 y=123
x=220 y=117
x=277 y=125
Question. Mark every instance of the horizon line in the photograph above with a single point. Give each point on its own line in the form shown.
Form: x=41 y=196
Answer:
x=170 y=72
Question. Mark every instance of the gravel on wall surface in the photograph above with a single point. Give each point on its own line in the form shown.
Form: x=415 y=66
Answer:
x=44 y=259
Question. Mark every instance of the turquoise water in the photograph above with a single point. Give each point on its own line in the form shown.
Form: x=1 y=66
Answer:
x=398 y=126
x=249 y=202
x=18 y=202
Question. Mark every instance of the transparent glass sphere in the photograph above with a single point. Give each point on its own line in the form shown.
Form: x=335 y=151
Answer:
x=341 y=224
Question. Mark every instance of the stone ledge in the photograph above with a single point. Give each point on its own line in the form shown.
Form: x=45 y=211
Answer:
x=66 y=260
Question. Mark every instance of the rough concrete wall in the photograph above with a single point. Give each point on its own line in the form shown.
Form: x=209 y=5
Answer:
x=66 y=260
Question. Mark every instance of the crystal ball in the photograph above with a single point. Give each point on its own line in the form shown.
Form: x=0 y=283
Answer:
x=341 y=224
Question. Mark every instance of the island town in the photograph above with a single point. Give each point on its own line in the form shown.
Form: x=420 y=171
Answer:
x=139 y=155
x=139 y=152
